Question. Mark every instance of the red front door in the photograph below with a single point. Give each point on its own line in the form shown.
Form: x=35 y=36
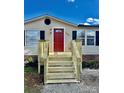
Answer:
x=58 y=40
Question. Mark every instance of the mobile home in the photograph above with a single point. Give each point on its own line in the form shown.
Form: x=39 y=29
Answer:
x=60 y=46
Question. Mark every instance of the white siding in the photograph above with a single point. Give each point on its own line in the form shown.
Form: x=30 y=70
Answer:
x=38 y=25
x=90 y=50
x=30 y=50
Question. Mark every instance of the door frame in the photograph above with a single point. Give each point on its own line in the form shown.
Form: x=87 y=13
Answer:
x=53 y=37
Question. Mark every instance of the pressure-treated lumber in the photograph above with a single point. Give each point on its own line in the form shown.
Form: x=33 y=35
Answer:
x=60 y=67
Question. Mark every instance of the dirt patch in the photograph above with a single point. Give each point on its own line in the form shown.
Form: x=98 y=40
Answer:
x=89 y=84
x=90 y=76
x=32 y=80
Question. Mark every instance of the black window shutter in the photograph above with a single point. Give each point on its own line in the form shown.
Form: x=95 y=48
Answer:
x=97 y=38
x=74 y=35
x=24 y=37
x=42 y=35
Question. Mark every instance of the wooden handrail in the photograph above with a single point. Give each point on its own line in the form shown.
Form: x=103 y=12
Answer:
x=43 y=55
x=44 y=46
x=76 y=55
x=75 y=49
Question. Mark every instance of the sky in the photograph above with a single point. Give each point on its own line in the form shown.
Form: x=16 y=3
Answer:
x=75 y=11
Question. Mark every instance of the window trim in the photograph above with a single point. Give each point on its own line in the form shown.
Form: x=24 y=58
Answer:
x=26 y=38
x=93 y=38
x=82 y=30
x=84 y=38
x=84 y=42
x=88 y=42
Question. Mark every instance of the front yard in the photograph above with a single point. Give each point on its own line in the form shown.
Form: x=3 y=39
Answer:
x=89 y=84
x=34 y=82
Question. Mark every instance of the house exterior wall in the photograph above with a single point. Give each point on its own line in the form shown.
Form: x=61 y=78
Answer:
x=87 y=58
x=38 y=25
x=89 y=49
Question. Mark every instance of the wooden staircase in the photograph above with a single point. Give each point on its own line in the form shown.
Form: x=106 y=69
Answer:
x=60 y=67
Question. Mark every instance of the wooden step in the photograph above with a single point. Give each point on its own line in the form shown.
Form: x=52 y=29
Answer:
x=64 y=62
x=60 y=75
x=61 y=69
x=62 y=81
x=60 y=58
x=60 y=63
x=60 y=53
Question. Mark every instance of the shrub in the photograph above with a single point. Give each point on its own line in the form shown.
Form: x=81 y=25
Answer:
x=90 y=64
x=28 y=58
x=30 y=69
x=31 y=61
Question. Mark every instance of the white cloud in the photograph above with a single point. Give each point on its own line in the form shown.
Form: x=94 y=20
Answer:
x=86 y=24
x=71 y=1
x=96 y=21
x=90 y=19
x=93 y=21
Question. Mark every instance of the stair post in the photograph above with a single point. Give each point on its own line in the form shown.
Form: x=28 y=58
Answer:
x=39 y=64
x=79 y=45
x=43 y=53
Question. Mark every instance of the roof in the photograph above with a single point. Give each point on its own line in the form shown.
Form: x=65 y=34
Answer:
x=81 y=25
x=49 y=16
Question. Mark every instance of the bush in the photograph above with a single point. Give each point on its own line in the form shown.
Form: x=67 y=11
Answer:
x=30 y=69
x=90 y=64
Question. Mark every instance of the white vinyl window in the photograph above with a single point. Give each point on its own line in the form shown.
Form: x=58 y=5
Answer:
x=32 y=37
x=81 y=36
x=90 y=37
